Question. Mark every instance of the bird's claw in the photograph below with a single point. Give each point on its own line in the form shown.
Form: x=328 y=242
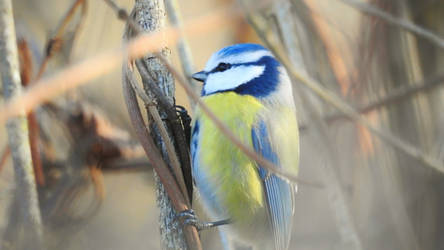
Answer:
x=190 y=219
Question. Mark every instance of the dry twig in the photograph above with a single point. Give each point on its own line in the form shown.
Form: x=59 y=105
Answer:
x=33 y=127
x=169 y=110
x=95 y=66
x=330 y=169
x=183 y=49
x=402 y=23
x=172 y=235
x=150 y=104
x=54 y=44
x=4 y=156
x=393 y=97
x=349 y=111
x=152 y=152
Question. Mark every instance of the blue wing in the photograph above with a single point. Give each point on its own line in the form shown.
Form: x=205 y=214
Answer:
x=194 y=142
x=279 y=193
x=200 y=177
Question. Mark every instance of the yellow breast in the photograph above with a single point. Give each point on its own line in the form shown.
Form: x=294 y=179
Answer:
x=232 y=175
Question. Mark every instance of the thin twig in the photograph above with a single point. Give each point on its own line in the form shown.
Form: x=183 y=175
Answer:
x=4 y=156
x=95 y=66
x=122 y=14
x=53 y=44
x=173 y=119
x=150 y=16
x=183 y=48
x=133 y=164
x=394 y=96
x=402 y=23
x=330 y=169
x=336 y=102
x=168 y=238
x=33 y=126
x=149 y=146
x=148 y=101
x=18 y=132
x=162 y=170
x=350 y=112
x=150 y=104
x=171 y=152
x=85 y=71
x=227 y=132
x=148 y=79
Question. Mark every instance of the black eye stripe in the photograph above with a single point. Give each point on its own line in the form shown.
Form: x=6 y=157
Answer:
x=222 y=67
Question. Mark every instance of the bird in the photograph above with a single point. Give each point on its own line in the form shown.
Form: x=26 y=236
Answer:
x=250 y=91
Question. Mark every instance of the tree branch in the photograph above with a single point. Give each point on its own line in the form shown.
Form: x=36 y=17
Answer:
x=85 y=71
x=394 y=96
x=346 y=109
x=17 y=131
x=150 y=17
x=402 y=23
x=186 y=59
x=330 y=169
x=53 y=44
x=150 y=105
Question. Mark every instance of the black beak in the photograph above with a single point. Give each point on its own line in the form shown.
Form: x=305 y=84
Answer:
x=200 y=76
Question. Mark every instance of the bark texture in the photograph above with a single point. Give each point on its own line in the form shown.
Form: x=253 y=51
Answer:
x=17 y=130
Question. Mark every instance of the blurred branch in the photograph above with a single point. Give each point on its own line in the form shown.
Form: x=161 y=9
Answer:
x=17 y=131
x=349 y=111
x=4 y=156
x=150 y=105
x=335 y=192
x=33 y=127
x=393 y=97
x=174 y=121
x=95 y=66
x=186 y=60
x=150 y=148
x=54 y=44
x=122 y=14
x=402 y=23
x=94 y=144
x=141 y=164
x=150 y=18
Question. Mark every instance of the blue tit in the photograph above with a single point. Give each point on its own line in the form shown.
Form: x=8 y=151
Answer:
x=250 y=91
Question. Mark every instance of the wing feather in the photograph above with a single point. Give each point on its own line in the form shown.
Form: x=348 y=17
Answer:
x=278 y=192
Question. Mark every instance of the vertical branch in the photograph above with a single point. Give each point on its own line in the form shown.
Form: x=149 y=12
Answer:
x=150 y=16
x=17 y=130
x=336 y=196
x=395 y=66
x=186 y=59
x=33 y=126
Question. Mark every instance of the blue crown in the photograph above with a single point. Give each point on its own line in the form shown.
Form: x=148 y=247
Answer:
x=240 y=48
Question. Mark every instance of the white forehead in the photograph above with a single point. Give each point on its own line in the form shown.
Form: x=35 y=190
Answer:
x=244 y=57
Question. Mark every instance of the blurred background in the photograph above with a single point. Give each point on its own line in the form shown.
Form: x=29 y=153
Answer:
x=99 y=193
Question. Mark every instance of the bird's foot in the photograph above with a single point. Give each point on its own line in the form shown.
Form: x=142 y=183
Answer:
x=189 y=218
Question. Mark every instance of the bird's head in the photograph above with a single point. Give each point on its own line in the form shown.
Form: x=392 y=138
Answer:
x=247 y=69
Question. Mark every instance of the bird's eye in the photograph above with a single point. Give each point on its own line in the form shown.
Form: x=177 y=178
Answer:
x=222 y=67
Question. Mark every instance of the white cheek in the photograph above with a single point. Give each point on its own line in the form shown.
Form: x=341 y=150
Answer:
x=231 y=78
